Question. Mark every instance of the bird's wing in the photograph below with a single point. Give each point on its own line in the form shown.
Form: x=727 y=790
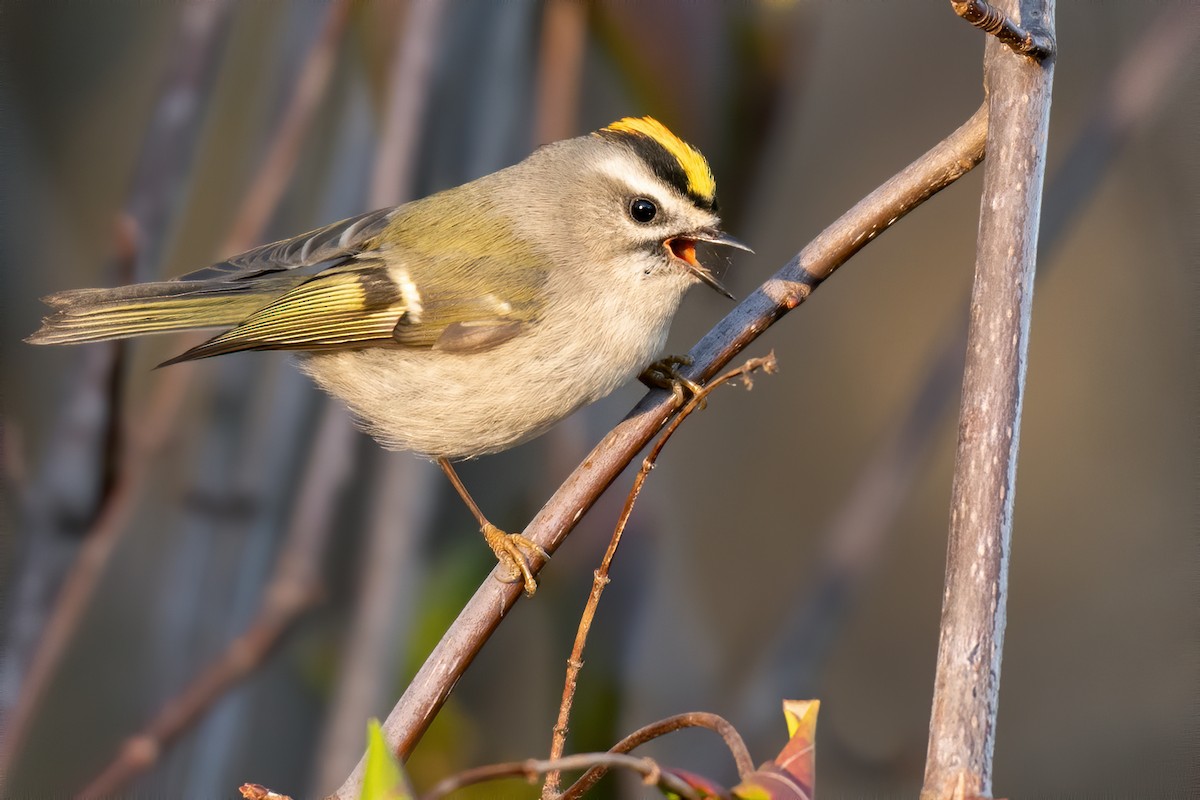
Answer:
x=333 y=243
x=390 y=299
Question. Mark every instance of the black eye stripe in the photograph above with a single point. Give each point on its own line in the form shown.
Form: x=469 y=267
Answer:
x=642 y=210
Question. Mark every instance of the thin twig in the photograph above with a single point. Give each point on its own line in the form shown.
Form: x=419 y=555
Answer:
x=962 y=728
x=941 y=166
x=575 y=663
x=990 y=19
x=295 y=587
x=651 y=772
x=695 y=719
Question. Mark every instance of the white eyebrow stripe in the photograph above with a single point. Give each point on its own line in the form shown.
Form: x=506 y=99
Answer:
x=635 y=179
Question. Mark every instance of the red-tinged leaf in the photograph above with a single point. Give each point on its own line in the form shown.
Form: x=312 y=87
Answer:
x=792 y=775
x=799 y=756
x=770 y=782
x=706 y=787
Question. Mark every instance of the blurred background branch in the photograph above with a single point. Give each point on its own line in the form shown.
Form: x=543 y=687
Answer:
x=294 y=588
x=85 y=480
x=401 y=507
x=182 y=105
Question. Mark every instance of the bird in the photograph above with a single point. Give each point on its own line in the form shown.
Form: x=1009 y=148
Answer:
x=471 y=320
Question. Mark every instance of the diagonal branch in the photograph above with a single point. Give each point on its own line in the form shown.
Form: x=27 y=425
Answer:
x=962 y=731
x=788 y=288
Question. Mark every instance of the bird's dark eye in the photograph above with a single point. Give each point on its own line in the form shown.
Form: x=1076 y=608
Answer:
x=642 y=210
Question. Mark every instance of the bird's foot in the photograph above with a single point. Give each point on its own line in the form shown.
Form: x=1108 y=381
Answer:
x=665 y=374
x=511 y=551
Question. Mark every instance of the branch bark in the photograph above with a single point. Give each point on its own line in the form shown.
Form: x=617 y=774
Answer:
x=963 y=726
x=993 y=20
x=788 y=288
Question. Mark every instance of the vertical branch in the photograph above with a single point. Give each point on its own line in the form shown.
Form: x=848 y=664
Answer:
x=962 y=730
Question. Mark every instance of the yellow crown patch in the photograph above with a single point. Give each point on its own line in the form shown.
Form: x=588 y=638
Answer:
x=700 y=181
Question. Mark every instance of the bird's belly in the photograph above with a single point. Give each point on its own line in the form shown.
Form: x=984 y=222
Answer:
x=465 y=405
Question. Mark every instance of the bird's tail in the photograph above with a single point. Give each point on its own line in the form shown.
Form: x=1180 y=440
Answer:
x=93 y=315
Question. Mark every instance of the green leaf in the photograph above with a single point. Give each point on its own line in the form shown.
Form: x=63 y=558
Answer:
x=383 y=778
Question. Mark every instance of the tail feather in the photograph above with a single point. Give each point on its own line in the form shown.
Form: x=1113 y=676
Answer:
x=94 y=315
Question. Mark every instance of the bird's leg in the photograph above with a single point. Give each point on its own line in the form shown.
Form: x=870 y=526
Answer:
x=510 y=548
x=665 y=374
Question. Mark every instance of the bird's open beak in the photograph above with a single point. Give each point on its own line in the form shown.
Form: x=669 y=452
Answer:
x=684 y=248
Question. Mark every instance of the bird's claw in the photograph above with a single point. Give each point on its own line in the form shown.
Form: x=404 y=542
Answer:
x=511 y=551
x=665 y=374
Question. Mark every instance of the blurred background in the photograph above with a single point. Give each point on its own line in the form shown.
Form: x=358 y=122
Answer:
x=791 y=542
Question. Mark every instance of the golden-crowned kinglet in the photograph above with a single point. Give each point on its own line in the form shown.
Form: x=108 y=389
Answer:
x=471 y=320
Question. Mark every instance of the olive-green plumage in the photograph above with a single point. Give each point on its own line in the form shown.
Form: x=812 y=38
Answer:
x=367 y=273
